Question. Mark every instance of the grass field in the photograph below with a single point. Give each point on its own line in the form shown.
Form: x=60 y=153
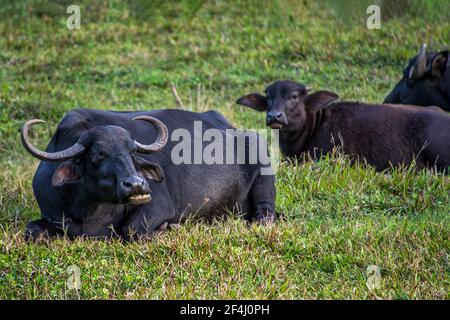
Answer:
x=339 y=219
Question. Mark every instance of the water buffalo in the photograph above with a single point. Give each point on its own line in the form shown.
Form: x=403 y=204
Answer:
x=383 y=135
x=425 y=82
x=102 y=176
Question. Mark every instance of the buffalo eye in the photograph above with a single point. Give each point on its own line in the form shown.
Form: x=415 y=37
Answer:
x=99 y=156
x=294 y=96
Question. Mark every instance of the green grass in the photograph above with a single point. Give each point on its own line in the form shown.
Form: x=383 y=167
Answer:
x=338 y=219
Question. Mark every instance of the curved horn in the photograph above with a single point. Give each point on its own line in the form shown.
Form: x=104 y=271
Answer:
x=66 y=154
x=420 y=67
x=161 y=140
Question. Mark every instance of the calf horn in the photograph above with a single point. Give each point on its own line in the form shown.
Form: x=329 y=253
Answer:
x=66 y=154
x=420 y=67
x=161 y=140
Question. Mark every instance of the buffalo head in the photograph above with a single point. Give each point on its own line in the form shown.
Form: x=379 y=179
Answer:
x=105 y=162
x=287 y=103
x=425 y=82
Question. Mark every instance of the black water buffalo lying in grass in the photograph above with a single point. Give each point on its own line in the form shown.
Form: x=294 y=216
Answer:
x=425 y=82
x=383 y=134
x=100 y=166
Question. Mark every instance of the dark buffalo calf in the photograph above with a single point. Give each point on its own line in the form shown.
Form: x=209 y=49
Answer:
x=383 y=134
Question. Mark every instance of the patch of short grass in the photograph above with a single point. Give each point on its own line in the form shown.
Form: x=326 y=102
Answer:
x=337 y=218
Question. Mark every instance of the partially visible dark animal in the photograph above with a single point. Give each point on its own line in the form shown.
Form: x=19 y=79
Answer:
x=425 y=82
x=99 y=168
x=383 y=135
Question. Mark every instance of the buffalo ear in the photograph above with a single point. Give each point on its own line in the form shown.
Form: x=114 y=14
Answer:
x=319 y=99
x=439 y=64
x=152 y=171
x=67 y=172
x=255 y=101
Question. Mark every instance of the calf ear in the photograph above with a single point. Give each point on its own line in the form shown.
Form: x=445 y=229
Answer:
x=439 y=64
x=255 y=101
x=67 y=172
x=152 y=171
x=319 y=99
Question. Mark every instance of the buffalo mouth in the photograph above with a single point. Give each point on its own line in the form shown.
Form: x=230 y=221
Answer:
x=276 y=125
x=139 y=199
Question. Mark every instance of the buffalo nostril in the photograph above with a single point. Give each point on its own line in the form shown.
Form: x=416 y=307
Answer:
x=133 y=184
x=275 y=115
x=271 y=115
x=127 y=184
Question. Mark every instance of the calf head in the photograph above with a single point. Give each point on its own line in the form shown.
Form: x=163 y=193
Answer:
x=106 y=163
x=425 y=82
x=287 y=104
